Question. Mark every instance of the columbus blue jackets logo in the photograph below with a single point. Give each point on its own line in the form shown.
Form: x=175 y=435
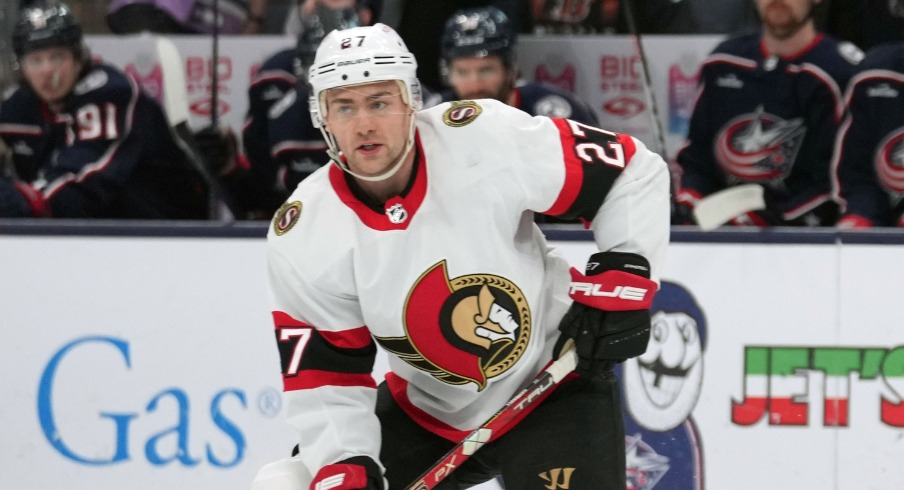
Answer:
x=461 y=330
x=553 y=106
x=889 y=162
x=759 y=147
x=461 y=113
x=661 y=389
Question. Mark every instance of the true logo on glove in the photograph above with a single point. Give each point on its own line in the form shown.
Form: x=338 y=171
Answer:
x=628 y=293
x=612 y=290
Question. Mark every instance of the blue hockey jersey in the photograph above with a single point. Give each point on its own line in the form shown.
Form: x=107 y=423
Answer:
x=870 y=158
x=110 y=153
x=771 y=120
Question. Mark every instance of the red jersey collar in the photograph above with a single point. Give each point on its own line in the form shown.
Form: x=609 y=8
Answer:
x=398 y=211
x=819 y=37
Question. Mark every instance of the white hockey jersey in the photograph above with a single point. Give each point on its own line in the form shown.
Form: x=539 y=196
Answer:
x=453 y=279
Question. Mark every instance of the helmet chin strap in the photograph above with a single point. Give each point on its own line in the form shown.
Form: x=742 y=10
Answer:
x=336 y=155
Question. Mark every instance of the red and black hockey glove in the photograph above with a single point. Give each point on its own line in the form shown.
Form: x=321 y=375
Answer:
x=357 y=473
x=20 y=200
x=610 y=317
x=854 y=222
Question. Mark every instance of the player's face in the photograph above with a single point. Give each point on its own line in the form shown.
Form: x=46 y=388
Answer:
x=51 y=72
x=479 y=78
x=783 y=18
x=371 y=124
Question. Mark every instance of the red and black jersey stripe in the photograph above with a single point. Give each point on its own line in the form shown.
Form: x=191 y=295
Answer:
x=594 y=158
x=311 y=358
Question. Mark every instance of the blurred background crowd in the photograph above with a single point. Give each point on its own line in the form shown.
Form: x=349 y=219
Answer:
x=792 y=68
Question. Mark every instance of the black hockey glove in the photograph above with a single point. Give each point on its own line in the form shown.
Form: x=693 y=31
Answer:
x=610 y=317
x=683 y=213
x=218 y=147
x=357 y=473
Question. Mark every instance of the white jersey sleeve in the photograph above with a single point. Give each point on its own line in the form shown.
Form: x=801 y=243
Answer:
x=568 y=169
x=326 y=352
x=636 y=214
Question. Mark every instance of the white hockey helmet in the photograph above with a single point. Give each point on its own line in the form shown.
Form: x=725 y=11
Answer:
x=362 y=55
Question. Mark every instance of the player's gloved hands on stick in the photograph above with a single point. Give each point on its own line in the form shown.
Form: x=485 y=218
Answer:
x=610 y=317
x=218 y=147
x=357 y=473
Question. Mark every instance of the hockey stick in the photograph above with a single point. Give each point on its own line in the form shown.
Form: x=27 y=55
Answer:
x=656 y=127
x=215 y=67
x=521 y=404
x=175 y=104
x=650 y=97
x=6 y=164
x=175 y=95
x=718 y=208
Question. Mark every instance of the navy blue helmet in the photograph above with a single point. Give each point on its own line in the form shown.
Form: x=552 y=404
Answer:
x=479 y=32
x=45 y=24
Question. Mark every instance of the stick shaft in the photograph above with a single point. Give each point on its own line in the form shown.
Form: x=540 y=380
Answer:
x=656 y=127
x=215 y=67
x=519 y=405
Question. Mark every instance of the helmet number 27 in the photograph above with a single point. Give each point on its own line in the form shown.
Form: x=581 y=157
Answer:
x=348 y=41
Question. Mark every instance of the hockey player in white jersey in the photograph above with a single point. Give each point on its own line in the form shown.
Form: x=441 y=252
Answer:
x=419 y=237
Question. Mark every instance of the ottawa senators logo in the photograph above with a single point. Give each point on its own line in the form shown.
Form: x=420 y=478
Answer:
x=462 y=330
x=461 y=113
x=286 y=217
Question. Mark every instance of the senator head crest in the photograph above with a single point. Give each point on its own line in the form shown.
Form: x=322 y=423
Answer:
x=465 y=329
